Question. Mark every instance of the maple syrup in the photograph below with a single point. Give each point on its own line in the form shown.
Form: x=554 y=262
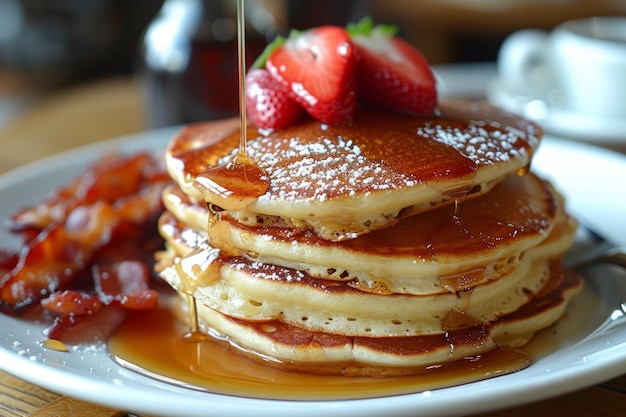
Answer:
x=54 y=344
x=239 y=179
x=237 y=183
x=150 y=342
x=193 y=335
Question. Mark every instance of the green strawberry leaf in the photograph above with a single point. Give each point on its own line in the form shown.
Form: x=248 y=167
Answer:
x=366 y=28
x=271 y=47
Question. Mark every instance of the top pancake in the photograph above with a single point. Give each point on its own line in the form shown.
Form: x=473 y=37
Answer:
x=346 y=180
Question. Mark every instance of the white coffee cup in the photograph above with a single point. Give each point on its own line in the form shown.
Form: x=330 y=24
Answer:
x=579 y=66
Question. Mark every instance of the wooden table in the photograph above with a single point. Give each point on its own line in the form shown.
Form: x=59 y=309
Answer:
x=112 y=108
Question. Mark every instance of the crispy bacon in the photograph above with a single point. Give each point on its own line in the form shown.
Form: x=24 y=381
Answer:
x=125 y=284
x=8 y=260
x=108 y=179
x=90 y=245
x=72 y=302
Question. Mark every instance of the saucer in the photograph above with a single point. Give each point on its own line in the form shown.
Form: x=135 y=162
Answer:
x=560 y=121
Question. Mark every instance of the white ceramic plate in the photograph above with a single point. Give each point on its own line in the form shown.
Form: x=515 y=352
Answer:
x=593 y=181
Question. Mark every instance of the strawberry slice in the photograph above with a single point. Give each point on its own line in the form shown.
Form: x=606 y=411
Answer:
x=318 y=67
x=268 y=102
x=391 y=73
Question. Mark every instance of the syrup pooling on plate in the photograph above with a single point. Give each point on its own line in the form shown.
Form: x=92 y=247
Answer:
x=151 y=344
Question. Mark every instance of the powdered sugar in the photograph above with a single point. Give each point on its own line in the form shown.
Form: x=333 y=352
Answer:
x=267 y=271
x=479 y=141
x=321 y=170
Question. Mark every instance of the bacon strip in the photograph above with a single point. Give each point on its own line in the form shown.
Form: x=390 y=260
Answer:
x=90 y=245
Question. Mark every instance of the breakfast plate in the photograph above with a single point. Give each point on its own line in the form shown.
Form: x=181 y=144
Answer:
x=590 y=347
x=548 y=110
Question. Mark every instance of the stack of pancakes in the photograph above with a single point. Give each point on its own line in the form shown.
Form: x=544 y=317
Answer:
x=375 y=248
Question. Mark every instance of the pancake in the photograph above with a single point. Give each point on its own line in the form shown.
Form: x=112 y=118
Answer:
x=374 y=248
x=249 y=289
x=346 y=180
x=424 y=254
x=294 y=348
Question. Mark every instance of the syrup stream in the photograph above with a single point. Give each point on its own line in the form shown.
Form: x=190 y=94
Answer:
x=194 y=334
x=238 y=182
x=241 y=59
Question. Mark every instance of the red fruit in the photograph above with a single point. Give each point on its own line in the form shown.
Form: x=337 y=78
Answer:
x=268 y=103
x=391 y=73
x=318 y=66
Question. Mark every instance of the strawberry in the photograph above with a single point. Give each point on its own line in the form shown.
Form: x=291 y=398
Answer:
x=391 y=73
x=318 y=67
x=268 y=103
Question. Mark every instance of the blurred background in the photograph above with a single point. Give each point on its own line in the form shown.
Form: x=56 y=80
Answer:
x=76 y=71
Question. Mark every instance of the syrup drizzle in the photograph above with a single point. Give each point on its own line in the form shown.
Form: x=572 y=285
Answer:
x=239 y=181
x=149 y=343
x=194 y=335
x=240 y=174
x=241 y=59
